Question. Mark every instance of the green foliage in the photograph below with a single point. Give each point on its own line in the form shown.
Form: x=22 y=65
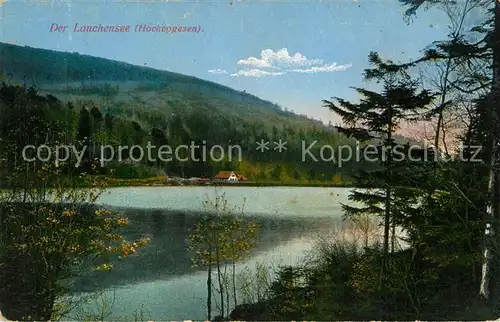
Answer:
x=290 y=293
x=132 y=171
x=51 y=230
x=84 y=129
x=92 y=89
x=342 y=283
x=381 y=113
x=184 y=108
x=254 y=286
x=219 y=240
x=51 y=241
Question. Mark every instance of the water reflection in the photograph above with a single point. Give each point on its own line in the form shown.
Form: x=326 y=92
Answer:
x=167 y=257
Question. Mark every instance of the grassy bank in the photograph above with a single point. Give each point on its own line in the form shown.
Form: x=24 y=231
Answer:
x=341 y=283
x=152 y=181
x=162 y=181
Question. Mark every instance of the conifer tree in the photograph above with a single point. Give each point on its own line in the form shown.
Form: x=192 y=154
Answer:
x=84 y=128
x=381 y=112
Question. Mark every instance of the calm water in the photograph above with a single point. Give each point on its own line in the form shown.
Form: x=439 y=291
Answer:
x=160 y=278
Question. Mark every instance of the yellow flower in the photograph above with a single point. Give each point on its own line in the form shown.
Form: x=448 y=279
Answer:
x=68 y=213
x=21 y=246
x=100 y=212
x=122 y=221
x=104 y=267
x=75 y=248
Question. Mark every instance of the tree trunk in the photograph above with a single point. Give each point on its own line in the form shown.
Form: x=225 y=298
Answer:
x=387 y=226
x=489 y=288
x=387 y=216
x=219 y=277
x=234 y=276
x=228 y=294
x=393 y=237
x=209 y=290
x=442 y=103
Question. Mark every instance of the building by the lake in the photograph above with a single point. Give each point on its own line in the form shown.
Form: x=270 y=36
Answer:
x=230 y=176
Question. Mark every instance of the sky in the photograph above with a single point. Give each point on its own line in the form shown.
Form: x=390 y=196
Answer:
x=294 y=53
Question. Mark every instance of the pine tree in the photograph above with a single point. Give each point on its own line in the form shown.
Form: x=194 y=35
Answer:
x=84 y=128
x=381 y=112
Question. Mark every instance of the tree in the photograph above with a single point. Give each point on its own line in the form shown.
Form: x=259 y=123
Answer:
x=84 y=126
x=158 y=139
x=96 y=119
x=381 y=112
x=448 y=75
x=51 y=228
x=50 y=243
x=223 y=236
x=108 y=122
x=486 y=48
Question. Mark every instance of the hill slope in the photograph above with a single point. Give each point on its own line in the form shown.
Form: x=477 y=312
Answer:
x=122 y=104
x=42 y=66
x=132 y=105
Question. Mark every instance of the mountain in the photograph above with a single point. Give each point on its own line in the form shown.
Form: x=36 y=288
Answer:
x=55 y=67
x=55 y=71
x=123 y=104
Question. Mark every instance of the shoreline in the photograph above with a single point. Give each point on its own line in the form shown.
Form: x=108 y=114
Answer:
x=230 y=185
x=250 y=184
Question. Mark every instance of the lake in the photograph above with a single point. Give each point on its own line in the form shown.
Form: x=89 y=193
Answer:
x=160 y=277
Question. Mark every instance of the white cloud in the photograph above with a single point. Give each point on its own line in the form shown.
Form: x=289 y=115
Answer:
x=280 y=58
x=218 y=71
x=281 y=62
x=252 y=61
x=256 y=73
x=325 y=68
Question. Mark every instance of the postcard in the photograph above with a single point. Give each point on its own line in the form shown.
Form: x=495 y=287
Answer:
x=249 y=160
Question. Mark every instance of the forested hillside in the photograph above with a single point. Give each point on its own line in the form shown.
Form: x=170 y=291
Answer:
x=41 y=66
x=114 y=103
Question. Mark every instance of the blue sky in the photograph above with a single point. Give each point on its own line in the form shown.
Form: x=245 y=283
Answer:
x=290 y=52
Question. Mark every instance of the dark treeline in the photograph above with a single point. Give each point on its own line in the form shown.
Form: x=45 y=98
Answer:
x=35 y=119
